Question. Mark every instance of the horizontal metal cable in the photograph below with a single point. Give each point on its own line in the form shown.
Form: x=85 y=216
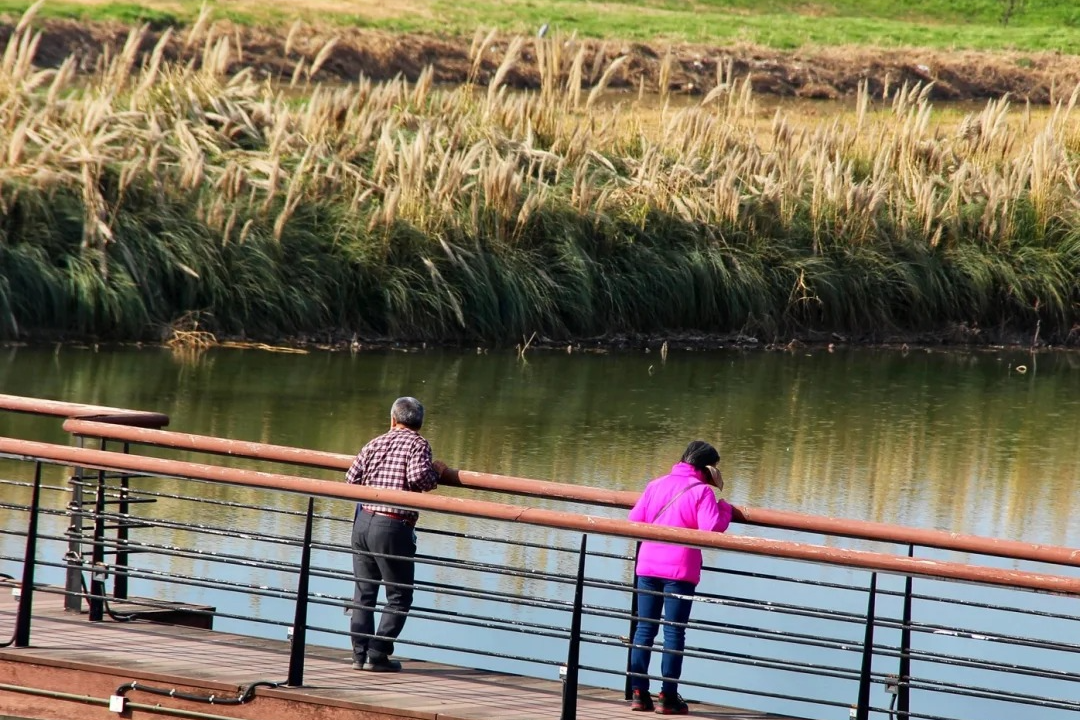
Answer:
x=782 y=578
x=994 y=694
x=713 y=626
x=761 y=661
x=417 y=612
x=135 y=571
x=92 y=486
x=726 y=688
x=348 y=604
x=318 y=516
x=29 y=484
x=491 y=595
x=210 y=556
x=760 y=605
x=293 y=568
x=281 y=566
x=516 y=542
x=480 y=621
x=336 y=518
x=747 y=631
x=183 y=580
x=974 y=663
x=988 y=606
x=794 y=638
x=52 y=512
x=439 y=646
x=975 y=635
x=196 y=527
x=289 y=541
x=215 y=614
x=284 y=593
x=262 y=590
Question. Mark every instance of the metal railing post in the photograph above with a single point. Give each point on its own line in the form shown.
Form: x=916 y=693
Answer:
x=26 y=590
x=120 y=579
x=628 y=689
x=73 y=587
x=97 y=565
x=903 y=680
x=862 y=711
x=299 y=637
x=570 y=680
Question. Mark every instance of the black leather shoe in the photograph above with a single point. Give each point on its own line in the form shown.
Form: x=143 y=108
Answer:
x=383 y=665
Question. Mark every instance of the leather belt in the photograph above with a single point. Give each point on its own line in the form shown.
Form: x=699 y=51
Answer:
x=407 y=519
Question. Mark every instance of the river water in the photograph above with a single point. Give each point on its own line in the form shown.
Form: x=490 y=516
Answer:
x=981 y=442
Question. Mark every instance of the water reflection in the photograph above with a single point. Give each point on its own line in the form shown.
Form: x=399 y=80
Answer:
x=959 y=441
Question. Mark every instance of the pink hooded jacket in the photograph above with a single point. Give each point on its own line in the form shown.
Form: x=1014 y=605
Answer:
x=696 y=508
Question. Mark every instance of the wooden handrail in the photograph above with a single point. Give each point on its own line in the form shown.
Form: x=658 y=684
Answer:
x=842 y=527
x=880 y=562
x=101 y=413
x=142 y=427
x=340 y=462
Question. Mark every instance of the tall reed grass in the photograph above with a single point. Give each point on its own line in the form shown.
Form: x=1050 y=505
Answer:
x=152 y=190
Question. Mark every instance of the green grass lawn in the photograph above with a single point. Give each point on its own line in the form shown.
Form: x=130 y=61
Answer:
x=947 y=24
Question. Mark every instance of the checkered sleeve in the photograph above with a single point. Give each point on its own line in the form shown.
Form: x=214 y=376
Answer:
x=355 y=474
x=420 y=476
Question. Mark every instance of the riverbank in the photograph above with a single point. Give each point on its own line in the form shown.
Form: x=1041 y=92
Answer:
x=150 y=198
x=344 y=54
x=961 y=338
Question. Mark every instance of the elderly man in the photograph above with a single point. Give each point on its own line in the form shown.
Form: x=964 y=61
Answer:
x=397 y=460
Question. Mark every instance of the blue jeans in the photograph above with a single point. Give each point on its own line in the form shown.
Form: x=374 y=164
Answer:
x=675 y=610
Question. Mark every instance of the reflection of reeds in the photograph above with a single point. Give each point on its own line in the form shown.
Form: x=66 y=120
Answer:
x=148 y=191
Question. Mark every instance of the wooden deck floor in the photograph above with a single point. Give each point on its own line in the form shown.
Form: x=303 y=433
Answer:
x=166 y=655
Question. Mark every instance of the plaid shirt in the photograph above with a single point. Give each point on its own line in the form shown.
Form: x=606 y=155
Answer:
x=397 y=460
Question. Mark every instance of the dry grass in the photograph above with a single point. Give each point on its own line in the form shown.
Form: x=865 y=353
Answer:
x=186 y=337
x=466 y=174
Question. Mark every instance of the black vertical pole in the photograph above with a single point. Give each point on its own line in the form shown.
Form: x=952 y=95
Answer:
x=862 y=712
x=570 y=682
x=97 y=566
x=628 y=690
x=120 y=580
x=903 y=681
x=73 y=588
x=26 y=591
x=299 y=638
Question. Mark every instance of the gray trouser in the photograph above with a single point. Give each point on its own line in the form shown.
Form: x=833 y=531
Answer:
x=387 y=536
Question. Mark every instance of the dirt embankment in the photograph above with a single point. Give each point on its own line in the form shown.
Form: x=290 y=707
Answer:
x=819 y=73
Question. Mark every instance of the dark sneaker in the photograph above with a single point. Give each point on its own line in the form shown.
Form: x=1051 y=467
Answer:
x=672 y=705
x=382 y=665
x=642 y=701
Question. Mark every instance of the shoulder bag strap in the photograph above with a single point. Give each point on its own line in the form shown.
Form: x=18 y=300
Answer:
x=672 y=500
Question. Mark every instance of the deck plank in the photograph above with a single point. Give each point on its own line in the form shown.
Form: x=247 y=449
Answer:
x=188 y=656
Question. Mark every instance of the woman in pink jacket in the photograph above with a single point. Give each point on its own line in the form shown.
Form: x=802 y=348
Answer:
x=668 y=574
